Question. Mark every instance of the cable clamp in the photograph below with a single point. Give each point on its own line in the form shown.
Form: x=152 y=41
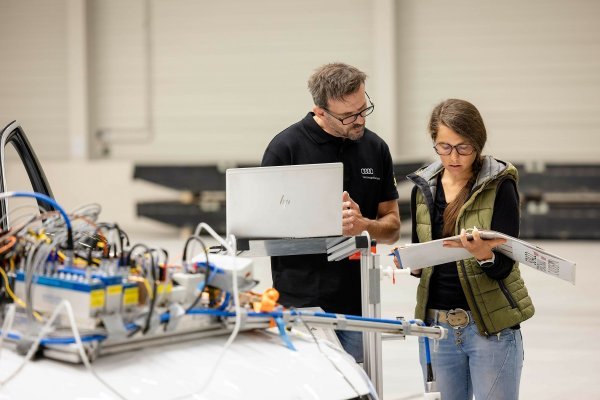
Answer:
x=243 y=317
x=406 y=327
x=286 y=316
x=436 y=345
x=341 y=321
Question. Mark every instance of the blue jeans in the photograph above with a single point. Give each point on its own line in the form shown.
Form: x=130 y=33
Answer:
x=353 y=344
x=467 y=363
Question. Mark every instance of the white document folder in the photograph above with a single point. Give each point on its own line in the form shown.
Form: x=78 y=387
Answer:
x=420 y=255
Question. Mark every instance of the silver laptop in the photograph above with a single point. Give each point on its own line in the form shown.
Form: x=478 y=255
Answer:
x=295 y=201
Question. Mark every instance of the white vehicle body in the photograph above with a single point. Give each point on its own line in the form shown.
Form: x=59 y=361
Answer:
x=256 y=366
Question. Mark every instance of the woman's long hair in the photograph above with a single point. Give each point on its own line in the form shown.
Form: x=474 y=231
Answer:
x=464 y=119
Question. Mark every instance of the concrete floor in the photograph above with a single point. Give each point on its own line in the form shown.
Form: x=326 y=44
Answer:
x=562 y=353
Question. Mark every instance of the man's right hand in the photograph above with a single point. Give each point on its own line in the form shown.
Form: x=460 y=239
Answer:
x=353 y=222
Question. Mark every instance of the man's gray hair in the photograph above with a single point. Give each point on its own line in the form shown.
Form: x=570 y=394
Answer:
x=334 y=82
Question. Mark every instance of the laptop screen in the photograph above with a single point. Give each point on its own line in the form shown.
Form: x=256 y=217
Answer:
x=295 y=201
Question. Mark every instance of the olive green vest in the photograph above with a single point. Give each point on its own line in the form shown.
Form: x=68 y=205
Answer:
x=495 y=304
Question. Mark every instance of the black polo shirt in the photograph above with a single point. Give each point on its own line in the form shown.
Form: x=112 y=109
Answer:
x=310 y=280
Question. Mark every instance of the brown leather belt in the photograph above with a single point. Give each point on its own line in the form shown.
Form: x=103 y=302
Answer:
x=457 y=318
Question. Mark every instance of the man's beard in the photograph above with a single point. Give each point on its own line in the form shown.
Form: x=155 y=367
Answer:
x=355 y=133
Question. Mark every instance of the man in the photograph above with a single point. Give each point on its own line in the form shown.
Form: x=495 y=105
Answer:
x=335 y=132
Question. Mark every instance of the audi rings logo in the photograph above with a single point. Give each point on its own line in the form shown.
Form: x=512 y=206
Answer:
x=368 y=173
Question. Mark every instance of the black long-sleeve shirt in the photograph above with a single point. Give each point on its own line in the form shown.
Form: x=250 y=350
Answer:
x=445 y=291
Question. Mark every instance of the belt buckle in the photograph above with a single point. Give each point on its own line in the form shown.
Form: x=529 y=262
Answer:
x=457 y=318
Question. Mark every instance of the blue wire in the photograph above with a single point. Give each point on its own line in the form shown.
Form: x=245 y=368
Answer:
x=225 y=301
x=12 y=336
x=70 y=340
x=53 y=203
x=48 y=200
x=60 y=340
x=279 y=314
x=211 y=273
x=131 y=326
x=221 y=312
x=427 y=352
x=165 y=317
x=210 y=311
x=349 y=317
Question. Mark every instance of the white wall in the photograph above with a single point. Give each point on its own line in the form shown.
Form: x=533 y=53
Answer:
x=532 y=68
x=225 y=76
x=33 y=72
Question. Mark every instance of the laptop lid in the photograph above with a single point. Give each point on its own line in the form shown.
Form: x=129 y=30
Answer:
x=294 y=201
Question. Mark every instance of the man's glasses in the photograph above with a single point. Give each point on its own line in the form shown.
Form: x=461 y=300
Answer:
x=350 y=119
x=445 y=149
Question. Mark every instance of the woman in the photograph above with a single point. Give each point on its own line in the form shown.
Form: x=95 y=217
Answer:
x=480 y=300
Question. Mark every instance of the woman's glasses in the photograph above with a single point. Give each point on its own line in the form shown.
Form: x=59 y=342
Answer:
x=445 y=149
